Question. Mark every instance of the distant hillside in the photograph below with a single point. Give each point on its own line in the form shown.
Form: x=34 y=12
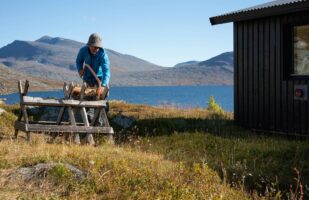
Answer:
x=54 y=59
x=9 y=79
x=215 y=71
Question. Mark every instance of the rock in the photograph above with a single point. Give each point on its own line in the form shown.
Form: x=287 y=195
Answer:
x=2 y=101
x=51 y=114
x=41 y=171
x=124 y=121
x=2 y=111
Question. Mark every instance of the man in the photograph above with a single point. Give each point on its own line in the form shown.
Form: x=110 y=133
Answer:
x=92 y=59
x=96 y=57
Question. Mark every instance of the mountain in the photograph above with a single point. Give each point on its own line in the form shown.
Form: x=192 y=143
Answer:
x=215 y=71
x=53 y=58
x=188 y=63
x=9 y=79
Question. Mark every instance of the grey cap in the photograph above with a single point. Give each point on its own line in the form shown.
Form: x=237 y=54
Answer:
x=95 y=40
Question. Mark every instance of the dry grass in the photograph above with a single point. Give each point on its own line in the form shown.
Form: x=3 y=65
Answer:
x=113 y=172
x=256 y=163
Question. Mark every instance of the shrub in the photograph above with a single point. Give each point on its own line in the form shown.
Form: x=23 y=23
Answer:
x=213 y=106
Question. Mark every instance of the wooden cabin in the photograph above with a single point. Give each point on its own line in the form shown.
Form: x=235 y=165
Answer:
x=271 y=66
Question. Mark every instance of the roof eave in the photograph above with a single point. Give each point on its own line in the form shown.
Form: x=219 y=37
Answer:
x=255 y=14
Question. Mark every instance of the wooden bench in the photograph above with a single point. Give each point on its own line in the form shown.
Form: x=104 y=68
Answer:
x=60 y=126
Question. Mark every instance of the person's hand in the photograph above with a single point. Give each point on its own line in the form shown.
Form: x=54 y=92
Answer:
x=100 y=91
x=81 y=72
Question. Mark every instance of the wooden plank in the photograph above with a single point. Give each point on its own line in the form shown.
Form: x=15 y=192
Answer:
x=73 y=123
x=290 y=83
x=84 y=116
x=25 y=92
x=60 y=115
x=38 y=101
x=104 y=117
x=296 y=109
x=290 y=104
x=256 y=75
x=62 y=128
x=67 y=90
x=245 y=76
x=266 y=72
x=54 y=123
x=278 y=76
x=284 y=88
x=235 y=72
x=261 y=74
x=20 y=115
x=303 y=112
x=300 y=106
x=297 y=103
x=20 y=89
x=250 y=75
x=89 y=136
x=284 y=108
x=272 y=75
x=306 y=122
x=240 y=85
x=24 y=110
x=66 y=94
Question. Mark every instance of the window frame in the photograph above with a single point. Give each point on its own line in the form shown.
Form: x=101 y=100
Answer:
x=288 y=51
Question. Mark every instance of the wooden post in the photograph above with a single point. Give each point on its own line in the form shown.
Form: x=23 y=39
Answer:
x=20 y=90
x=66 y=94
x=72 y=121
x=67 y=90
x=109 y=138
x=89 y=136
x=26 y=119
x=104 y=116
x=23 y=108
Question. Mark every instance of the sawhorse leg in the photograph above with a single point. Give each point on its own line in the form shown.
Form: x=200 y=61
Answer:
x=89 y=136
x=23 y=109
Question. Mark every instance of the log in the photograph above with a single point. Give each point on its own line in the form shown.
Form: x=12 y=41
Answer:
x=62 y=128
x=38 y=101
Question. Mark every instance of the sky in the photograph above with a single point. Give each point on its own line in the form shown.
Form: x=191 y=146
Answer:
x=163 y=32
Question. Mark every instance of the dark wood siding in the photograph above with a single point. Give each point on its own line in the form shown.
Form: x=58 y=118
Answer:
x=264 y=92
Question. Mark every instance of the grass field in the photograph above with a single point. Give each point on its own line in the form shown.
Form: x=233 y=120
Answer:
x=168 y=153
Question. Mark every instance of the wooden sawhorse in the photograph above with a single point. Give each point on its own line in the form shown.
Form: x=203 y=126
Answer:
x=59 y=126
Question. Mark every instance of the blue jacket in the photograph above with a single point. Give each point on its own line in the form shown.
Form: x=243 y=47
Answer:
x=99 y=63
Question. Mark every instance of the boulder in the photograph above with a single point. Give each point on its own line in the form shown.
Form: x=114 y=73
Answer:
x=2 y=111
x=123 y=121
x=50 y=114
x=41 y=171
x=2 y=101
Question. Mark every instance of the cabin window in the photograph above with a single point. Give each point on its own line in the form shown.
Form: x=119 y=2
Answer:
x=301 y=50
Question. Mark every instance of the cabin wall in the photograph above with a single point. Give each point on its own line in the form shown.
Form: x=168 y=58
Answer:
x=263 y=93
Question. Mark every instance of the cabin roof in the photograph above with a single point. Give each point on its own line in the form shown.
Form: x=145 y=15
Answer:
x=272 y=8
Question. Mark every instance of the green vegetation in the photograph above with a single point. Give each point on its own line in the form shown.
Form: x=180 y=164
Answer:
x=213 y=106
x=253 y=162
x=168 y=153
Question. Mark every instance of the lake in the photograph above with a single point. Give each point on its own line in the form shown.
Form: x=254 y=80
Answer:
x=178 y=96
